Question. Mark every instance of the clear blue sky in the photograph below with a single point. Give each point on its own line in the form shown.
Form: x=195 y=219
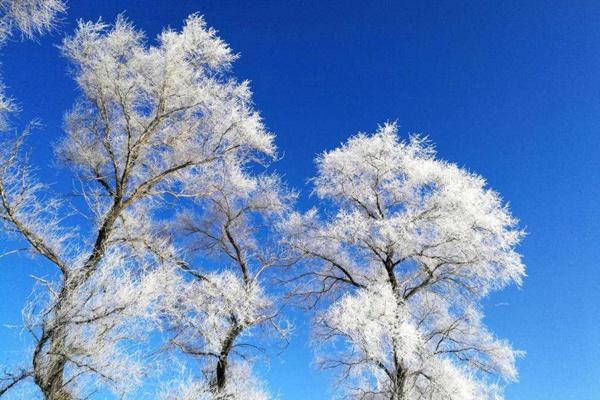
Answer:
x=509 y=89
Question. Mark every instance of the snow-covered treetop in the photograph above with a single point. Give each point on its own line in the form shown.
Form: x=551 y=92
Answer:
x=151 y=112
x=394 y=198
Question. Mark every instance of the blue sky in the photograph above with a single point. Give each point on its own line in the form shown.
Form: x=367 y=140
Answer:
x=509 y=89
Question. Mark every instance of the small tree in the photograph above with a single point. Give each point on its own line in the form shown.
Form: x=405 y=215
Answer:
x=223 y=312
x=151 y=121
x=411 y=247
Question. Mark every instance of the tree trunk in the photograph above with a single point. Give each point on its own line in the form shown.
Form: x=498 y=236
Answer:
x=221 y=370
x=398 y=393
x=49 y=372
x=400 y=376
x=50 y=358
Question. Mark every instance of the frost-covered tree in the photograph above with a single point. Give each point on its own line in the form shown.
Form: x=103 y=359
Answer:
x=408 y=247
x=223 y=313
x=152 y=121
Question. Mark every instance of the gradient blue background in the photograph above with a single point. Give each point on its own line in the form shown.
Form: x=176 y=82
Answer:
x=509 y=89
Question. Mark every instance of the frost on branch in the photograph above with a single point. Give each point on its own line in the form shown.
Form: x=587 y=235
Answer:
x=30 y=17
x=29 y=209
x=6 y=106
x=104 y=324
x=151 y=126
x=246 y=387
x=412 y=246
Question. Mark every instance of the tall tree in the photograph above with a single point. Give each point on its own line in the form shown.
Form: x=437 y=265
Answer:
x=151 y=120
x=410 y=246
